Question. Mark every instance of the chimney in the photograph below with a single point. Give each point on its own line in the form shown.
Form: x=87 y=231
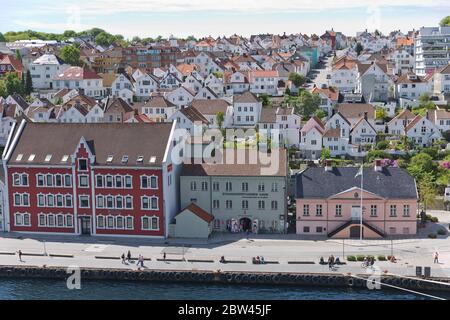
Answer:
x=377 y=165
x=328 y=165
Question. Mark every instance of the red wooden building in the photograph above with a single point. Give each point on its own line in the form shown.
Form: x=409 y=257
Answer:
x=93 y=179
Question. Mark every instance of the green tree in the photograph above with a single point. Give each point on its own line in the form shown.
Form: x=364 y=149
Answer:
x=297 y=79
x=326 y=154
x=3 y=91
x=420 y=165
x=427 y=190
x=2 y=38
x=18 y=56
x=320 y=113
x=359 y=48
x=220 y=118
x=307 y=104
x=217 y=74
x=13 y=84
x=69 y=34
x=445 y=22
x=265 y=99
x=28 y=83
x=380 y=113
x=71 y=55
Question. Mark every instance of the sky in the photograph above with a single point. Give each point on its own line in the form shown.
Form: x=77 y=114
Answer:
x=181 y=18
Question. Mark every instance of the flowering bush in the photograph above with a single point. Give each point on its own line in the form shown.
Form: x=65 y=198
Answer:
x=445 y=164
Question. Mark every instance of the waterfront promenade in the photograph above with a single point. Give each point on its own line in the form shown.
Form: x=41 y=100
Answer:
x=287 y=252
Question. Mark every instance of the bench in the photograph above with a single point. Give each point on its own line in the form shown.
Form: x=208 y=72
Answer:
x=301 y=262
x=201 y=261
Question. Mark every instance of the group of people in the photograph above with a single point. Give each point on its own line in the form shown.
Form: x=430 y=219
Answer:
x=369 y=261
x=127 y=258
x=332 y=261
x=258 y=260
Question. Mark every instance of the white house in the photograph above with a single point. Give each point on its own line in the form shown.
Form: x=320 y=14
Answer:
x=398 y=124
x=441 y=118
x=181 y=96
x=328 y=98
x=264 y=81
x=403 y=61
x=246 y=110
x=191 y=119
x=80 y=78
x=215 y=84
x=311 y=138
x=372 y=81
x=206 y=93
x=362 y=133
x=123 y=87
x=344 y=74
x=158 y=109
x=441 y=78
x=145 y=84
x=410 y=86
x=210 y=108
x=236 y=82
x=44 y=69
x=285 y=121
x=422 y=131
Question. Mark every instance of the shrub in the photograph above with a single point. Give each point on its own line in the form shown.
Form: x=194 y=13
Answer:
x=360 y=257
x=441 y=232
x=432 y=236
x=381 y=258
x=351 y=258
x=382 y=145
x=434 y=219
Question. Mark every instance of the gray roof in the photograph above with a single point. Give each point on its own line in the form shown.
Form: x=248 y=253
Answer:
x=104 y=139
x=390 y=183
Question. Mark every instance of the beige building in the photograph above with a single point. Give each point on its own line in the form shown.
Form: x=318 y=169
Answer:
x=192 y=222
x=241 y=197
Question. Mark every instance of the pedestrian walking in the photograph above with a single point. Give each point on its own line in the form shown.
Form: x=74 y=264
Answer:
x=248 y=233
x=436 y=257
x=141 y=260
x=129 y=256
x=20 y=255
x=123 y=258
x=164 y=256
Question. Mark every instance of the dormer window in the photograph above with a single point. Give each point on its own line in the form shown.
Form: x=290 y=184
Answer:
x=31 y=157
x=19 y=157
x=65 y=158
x=109 y=159
x=152 y=159
x=125 y=159
x=140 y=159
x=48 y=158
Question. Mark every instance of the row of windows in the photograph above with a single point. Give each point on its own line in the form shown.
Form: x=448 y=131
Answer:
x=229 y=186
x=59 y=220
x=58 y=200
x=373 y=210
x=244 y=204
x=117 y=181
x=114 y=202
x=101 y=181
x=53 y=180
x=127 y=223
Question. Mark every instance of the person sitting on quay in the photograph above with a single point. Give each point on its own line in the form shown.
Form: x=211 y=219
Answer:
x=321 y=261
x=262 y=260
x=222 y=259
x=393 y=259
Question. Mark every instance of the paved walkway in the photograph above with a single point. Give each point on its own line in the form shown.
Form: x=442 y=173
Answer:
x=280 y=248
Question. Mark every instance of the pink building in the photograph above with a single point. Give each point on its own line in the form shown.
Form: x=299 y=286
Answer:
x=329 y=202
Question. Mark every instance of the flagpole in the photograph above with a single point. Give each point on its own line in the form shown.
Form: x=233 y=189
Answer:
x=360 y=217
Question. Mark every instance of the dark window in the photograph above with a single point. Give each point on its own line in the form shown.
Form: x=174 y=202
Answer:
x=82 y=164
